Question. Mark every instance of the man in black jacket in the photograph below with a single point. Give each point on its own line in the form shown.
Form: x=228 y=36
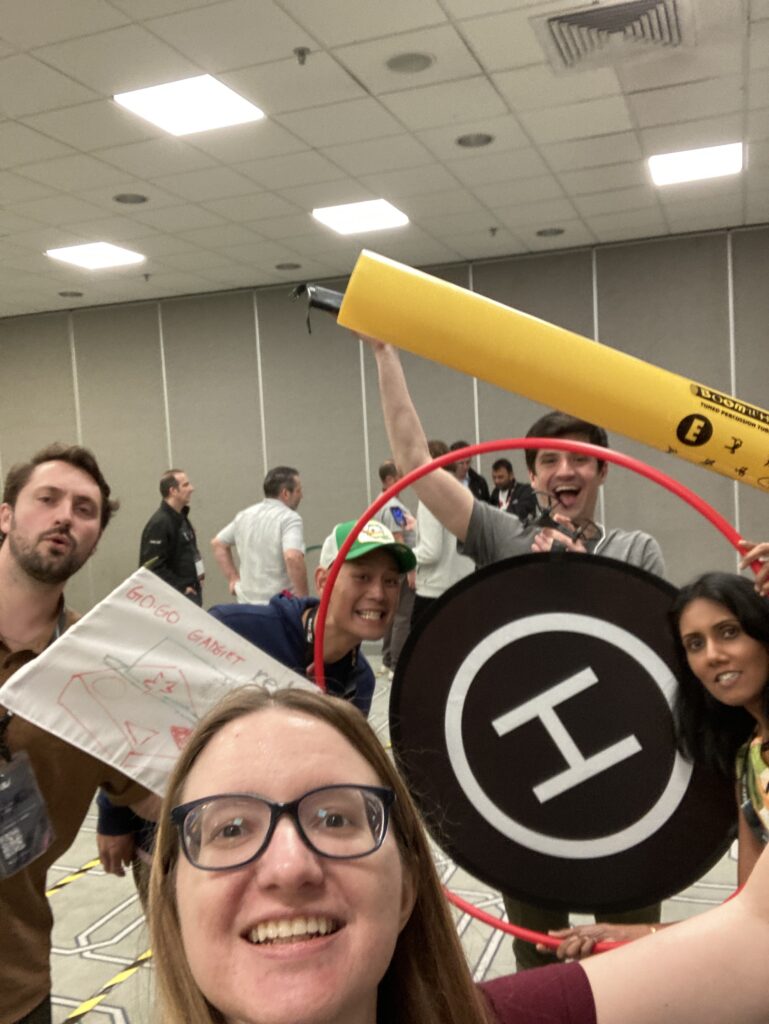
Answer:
x=467 y=476
x=168 y=545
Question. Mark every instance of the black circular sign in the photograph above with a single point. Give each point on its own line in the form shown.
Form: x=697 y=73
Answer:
x=694 y=430
x=531 y=715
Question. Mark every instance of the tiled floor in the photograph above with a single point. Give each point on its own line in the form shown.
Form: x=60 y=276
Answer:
x=99 y=929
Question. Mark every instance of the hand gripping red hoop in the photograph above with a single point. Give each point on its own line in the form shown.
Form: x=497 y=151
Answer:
x=516 y=443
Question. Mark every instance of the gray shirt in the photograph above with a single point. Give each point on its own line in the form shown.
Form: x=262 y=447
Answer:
x=494 y=534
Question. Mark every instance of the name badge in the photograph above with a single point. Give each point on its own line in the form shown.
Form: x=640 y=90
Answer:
x=25 y=829
x=200 y=569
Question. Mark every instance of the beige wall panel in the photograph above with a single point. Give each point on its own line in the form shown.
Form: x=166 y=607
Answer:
x=444 y=398
x=314 y=409
x=667 y=302
x=214 y=411
x=123 y=420
x=553 y=287
x=750 y=253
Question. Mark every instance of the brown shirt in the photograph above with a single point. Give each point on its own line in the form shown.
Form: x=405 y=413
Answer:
x=68 y=779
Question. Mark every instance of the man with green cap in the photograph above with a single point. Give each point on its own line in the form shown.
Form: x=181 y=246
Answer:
x=361 y=607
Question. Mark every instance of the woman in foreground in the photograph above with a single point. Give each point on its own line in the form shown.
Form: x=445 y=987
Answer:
x=721 y=628
x=279 y=895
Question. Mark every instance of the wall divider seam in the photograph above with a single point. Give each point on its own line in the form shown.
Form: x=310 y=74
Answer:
x=364 y=410
x=164 y=378
x=260 y=380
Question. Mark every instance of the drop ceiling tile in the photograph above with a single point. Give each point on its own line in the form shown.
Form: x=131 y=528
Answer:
x=285 y=85
x=639 y=198
x=480 y=245
x=159 y=246
x=58 y=209
x=758 y=125
x=368 y=60
x=506 y=40
x=414 y=252
x=757 y=156
x=302 y=168
x=73 y=172
x=104 y=196
x=113 y=229
x=89 y=126
x=328 y=193
x=449 y=224
x=592 y=152
x=290 y=226
x=757 y=206
x=324 y=245
x=506 y=166
x=223 y=234
x=723 y=191
x=445 y=103
x=392 y=152
x=156 y=157
x=708 y=59
x=575 y=234
x=29 y=23
x=28 y=86
x=15 y=222
x=711 y=131
x=535 y=87
x=437 y=203
x=178 y=218
x=575 y=120
x=247 y=142
x=544 y=214
x=758 y=56
x=412 y=181
x=341 y=122
x=231 y=34
x=508 y=193
x=506 y=131
x=336 y=24
x=602 y=179
x=208 y=183
x=709 y=219
x=262 y=253
x=119 y=60
x=686 y=102
x=141 y=9
x=252 y=207
x=615 y=227
x=21 y=145
x=41 y=239
x=758 y=89
x=198 y=259
x=238 y=277
x=14 y=187
x=474 y=8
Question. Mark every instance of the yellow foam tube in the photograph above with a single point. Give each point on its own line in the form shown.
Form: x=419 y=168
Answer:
x=481 y=337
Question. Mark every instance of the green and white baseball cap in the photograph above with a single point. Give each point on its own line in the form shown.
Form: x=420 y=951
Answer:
x=373 y=537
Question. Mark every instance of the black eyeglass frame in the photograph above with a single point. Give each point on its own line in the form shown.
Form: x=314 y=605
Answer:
x=180 y=813
x=543 y=518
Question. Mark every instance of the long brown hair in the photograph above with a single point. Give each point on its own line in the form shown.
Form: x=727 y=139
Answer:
x=428 y=980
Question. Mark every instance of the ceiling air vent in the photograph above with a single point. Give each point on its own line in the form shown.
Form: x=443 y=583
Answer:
x=612 y=32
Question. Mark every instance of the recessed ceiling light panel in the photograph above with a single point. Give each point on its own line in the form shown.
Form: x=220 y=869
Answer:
x=190 y=105
x=355 y=218
x=96 y=255
x=696 y=164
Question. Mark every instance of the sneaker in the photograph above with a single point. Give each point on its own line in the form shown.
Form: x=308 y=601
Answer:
x=390 y=675
x=383 y=670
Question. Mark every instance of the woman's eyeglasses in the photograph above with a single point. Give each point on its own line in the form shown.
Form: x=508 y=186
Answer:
x=232 y=829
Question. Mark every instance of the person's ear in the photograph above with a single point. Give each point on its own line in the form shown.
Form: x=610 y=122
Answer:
x=321 y=575
x=6 y=515
x=603 y=471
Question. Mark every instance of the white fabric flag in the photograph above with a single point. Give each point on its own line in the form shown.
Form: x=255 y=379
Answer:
x=129 y=681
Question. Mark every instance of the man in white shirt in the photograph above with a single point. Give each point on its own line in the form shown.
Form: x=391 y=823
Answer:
x=269 y=538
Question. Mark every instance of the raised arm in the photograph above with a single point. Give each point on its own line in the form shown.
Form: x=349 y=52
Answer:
x=709 y=969
x=441 y=492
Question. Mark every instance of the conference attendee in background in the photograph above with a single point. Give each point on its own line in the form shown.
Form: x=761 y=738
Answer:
x=509 y=495
x=439 y=563
x=168 y=543
x=269 y=539
x=467 y=476
x=55 y=508
x=361 y=607
x=400 y=522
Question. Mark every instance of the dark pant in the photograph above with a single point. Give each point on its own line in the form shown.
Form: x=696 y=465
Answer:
x=398 y=630
x=421 y=604
x=40 y=1015
x=539 y=920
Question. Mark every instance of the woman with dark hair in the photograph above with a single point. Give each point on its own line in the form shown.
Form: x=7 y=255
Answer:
x=721 y=625
x=332 y=917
